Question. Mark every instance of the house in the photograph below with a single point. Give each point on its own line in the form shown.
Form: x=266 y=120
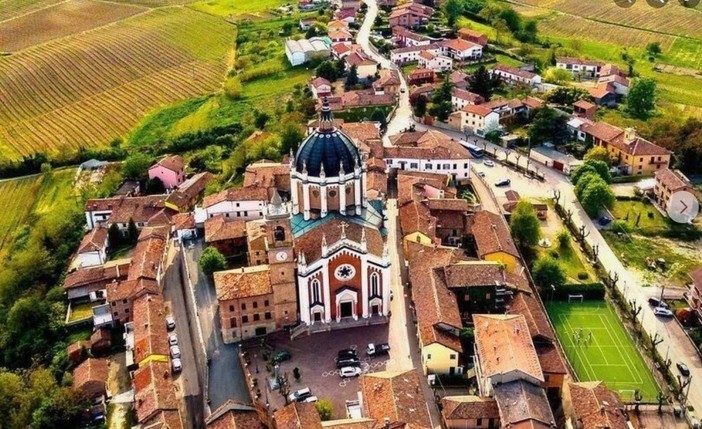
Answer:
x=552 y=158
x=417 y=224
x=410 y=15
x=155 y=399
x=493 y=240
x=513 y=199
x=430 y=151
x=297 y=415
x=459 y=79
x=184 y=226
x=591 y=404
x=365 y=66
x=346 y=14
x=603 y=94
x=100 y=341
x=245 y=298
x=150 y=333
x=145 y=211
x=420 y=76
x=394 y=400
x=585 y=109
x=461 y=98
x=363 y=98
x=668 y=182
x=403 y=37
x=473 y=36
x=617 y=83
x=514 y=75
x=340 y=36
x=469 y=412
x=300 y=51
x=410 y=54
x=226 y=235
x=320 y=88
x=270 y=175
x=461 y=50
x=694 y=296
x=170 y=170
x=580 y=67
x=631 y=153
x=93 y=248
x=388 y=82
x=128 y=188
x=477 y=118
x=438 y=63
x=90 y=378
x=451 y=218
x=188 y=193
x=233 y=415
x=523 y=405
x=341 y=50
x=306 y=23
x=245 y=203
x=90 y=283
x=337 y=25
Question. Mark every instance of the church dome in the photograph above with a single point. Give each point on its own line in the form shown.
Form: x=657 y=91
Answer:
x=326 y=148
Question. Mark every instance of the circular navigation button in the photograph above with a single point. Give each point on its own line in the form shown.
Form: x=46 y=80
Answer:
x=683 y=207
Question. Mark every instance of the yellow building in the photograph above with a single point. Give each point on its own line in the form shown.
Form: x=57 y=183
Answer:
x=417 y=225
x=493 y=240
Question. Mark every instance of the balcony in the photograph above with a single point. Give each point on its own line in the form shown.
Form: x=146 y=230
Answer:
x=658 y=162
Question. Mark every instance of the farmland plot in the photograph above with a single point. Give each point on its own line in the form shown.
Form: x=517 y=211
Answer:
x=88 y=89
x=63 y=19
x=14 y=8
x=17 y=197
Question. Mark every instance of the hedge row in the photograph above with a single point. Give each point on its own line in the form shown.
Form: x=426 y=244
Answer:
x=587 y=290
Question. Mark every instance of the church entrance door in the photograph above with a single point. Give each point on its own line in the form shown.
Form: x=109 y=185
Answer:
x=346 y=309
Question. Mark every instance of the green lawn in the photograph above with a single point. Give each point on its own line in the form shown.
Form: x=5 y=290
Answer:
x=610 y=356
x=81 y=311
x=649 y=218
x=570 y=260
x=252 y=8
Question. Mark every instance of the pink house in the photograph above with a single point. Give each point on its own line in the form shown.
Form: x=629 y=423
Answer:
x=170 y=169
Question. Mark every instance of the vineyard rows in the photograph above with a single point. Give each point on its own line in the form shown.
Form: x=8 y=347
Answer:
x=13 y=8
x=94 y=87
x=17 y=197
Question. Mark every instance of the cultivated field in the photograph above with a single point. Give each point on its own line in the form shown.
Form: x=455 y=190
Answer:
x=609 y=356
x=88 y=89
x=63 y=19
x=239 y=8
x=13 y=8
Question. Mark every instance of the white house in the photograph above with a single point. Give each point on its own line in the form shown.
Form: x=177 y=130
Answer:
x=410 y=54
x=320 y=87
x=461 y=50
x=301 y=51
x=365 y=67
x=478 y=118
x=246 y=203
x=579 y=66
x=461 y=98
x=93 y=248
x=515 y=75
x=437 y=63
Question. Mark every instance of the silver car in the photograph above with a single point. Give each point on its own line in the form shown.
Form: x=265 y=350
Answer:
x=175 y=352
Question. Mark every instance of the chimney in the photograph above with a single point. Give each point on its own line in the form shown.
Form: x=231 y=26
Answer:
x=386 y=423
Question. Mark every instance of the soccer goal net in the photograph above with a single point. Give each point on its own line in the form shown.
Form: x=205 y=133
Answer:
x=578 y=298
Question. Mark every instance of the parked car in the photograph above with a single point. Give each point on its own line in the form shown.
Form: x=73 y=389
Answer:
x=348 y=362
x=346 y=354
x=172 y=339
x=655 y=302
x=170 y=323
x=488 y=163
x=604 y=220
x=300 y=395
x=350 y=371
x=481 y=173
x=176 y=366
x=175 y=352
x=503 y=182
x=310 y=399
x=281 y=356
x=684 y=370
x=662 y=312
x=377 y=349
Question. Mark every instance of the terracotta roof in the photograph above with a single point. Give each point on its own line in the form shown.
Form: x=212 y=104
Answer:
x=171 y=162
x=267 y=174
x=468 y=407
x=616 y=136
x=189 y=190
x=243 y=282
x=579 y=61
x=514 y=71
x=411 y=185
x=550 y=359
x=469 y=32
x=90 y=377
x=397 y=396
x=611 y=69
x=309 y=242
x=94 y=241
x=338 y=24
x=154 y=391
x=150 y=334
x=464 y=94
x=361 y=131
x=621 y=80
x=341 y=48
x=602 y=131
x=415 y=48
x=365 y=98
x=420 y=72
x=148 y=253
x=234 y=415
x=595 y=406
x=696 y=276
x=534 y=102
x=425 y=145
x=98 y=274
x=183 y=221
x=163 y=419
x=359 y=59
x=415 y=217
x=319 y=81
x=376 y=182
x=584 y=104
x=504 y=345
x=523 y=405
x=672 y=179
x=599 y=91
x=219 y=228
x=139 y=209
x=458 y=44
x=387 y=78
x=478 y=109
x=474 y=274
x=457 y=77
x=247 y=193
x=298 y=415
x=528 y=306
x=339 y=34
x=129 y=289
x=492 y=234
x=427 y=55
x=448 y=204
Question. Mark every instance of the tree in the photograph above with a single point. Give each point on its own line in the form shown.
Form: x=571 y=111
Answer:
x=641 y=100
x=290 y=136
x=583 y=183
x=596 y=196
x=136 y=166
x=232 y=88
x=563 y=238
x=155 y=186
x=525 y=226
x=547 y=271
x=557 y=75
x=549 y=125
x=327 y=70
x=598 y=153
x=212 y=261
x=452 y=10
x=601 y=168
x=260 y=119
x=114 y=235
x=441 y=100
x=325 y=409
x=379 y=116
x=483 y=83
x=420 y=106
x=132 y=232
x=580 y=171
x=654 y=49
x=567 y=95
x=287 y=28
x=351 y=77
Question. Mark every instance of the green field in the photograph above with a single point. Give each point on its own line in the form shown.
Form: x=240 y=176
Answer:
x=238 y=8
x=610 y=356
x=650 y=219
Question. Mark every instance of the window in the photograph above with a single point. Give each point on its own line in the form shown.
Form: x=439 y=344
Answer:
x=452 y=356
x=315 y=286
x=428 y=166
x=413 y=165
x=255 y=304
x=231 y=308
x=256 y=317
x=114 y=303
x=429 y=356
x=116 y=314
x=226 y=215
x=232 y=322
x=266 y=303
x=244 y=319
x=126 y=310
x=465 y=165
x=375 y=286
x=332 y=193
x=279 y=233
x=478 y=422
x=268 y=315
x=124 y=301
x=237 y=204
x=246 y=214
x=243 y=306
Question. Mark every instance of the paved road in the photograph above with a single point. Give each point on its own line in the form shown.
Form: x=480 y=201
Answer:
x=226 y=380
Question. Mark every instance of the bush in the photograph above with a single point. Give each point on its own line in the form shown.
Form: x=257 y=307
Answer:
x=582 y=275
x=547 y=271
x=325 y=409
x=212 y=260
x=232 y=88
x=587 y=290
x=563 y=238
x=554 y=254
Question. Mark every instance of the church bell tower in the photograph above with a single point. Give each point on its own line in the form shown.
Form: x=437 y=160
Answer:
x=281 y=259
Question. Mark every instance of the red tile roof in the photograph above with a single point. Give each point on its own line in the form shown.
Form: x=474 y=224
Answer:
x=219 y=228
x=415 y=217
x=90 y=377
x=94 y=241
x=319 y=81
x=247 y=193
x=478 y=109
x=154 y=392
x=397 y=396
x=696 y=276
x=595 y=406
x=101 y=274
x=535 y=315
x=234 y=415
x=425 y=145
x=492 y=234
x=471 y=97
x=309 y=243
x=148 y=253
x=147 y=209
x=171 y=162
x=514 y=71
x=298 y=416
x=183 y=221
x=468 y=407
x=672 y=180
x=150 y=334
x=458 y=44
x=243 y=282
x=189 y=190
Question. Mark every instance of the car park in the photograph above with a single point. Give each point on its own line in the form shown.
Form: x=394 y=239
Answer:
x=170 y=323
x=348 y=362
x=281 y=356
x=172 y=339
x=377 y=349
x=300 y=395
x=175 y=352
x=662 y=312
x=684 y=370
x=346 y=354
x=503 y=182
x=655 y=302
x=176 y=365
x=350 y=371
x=489 y=163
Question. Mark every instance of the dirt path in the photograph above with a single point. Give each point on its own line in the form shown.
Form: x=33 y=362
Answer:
x=118 y=382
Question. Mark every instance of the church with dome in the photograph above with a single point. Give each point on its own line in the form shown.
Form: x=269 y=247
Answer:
x=343 y=266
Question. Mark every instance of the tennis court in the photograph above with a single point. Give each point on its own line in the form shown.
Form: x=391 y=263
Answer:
x=599 y=348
